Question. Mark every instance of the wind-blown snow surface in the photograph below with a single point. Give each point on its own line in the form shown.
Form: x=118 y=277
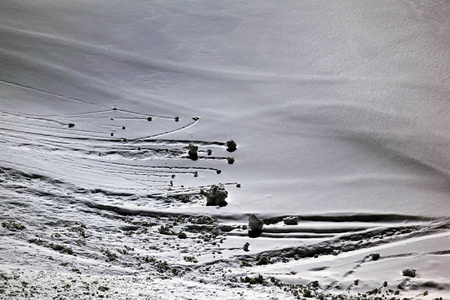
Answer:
x=339 y=109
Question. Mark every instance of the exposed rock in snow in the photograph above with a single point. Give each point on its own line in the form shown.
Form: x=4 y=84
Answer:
x=255 y=224
x=231 y=146
x=409 y=272
x=216 y=196
x=375 y=256
x=246 y=247
x=193 y=152
x=290 y=221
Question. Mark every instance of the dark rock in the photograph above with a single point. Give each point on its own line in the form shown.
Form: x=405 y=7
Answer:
x=216 y=196
x=409 y=272
x=255 y=224
x=375 y=256
x=193 y=152
x=405 y=284
x=231 y=146
x=246 y=247
x=290 y=221
x=263 y=260
x=226 y=228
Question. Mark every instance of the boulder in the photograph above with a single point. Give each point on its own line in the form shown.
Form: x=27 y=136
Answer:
x=409 y=272
x=255 y=224
x=193 y=152
x=216 y=196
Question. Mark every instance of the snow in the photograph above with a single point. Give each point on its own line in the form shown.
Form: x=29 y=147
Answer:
x=340 y=115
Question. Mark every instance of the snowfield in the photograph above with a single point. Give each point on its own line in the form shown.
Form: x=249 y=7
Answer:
x=328 y=121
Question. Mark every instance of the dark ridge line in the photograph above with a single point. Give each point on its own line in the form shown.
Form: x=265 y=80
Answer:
x=285 y=236
x=169 y=141
x=329 y=246
x=133 y=212
x=442 y=252
x=16 y=172
x=353 y=217
x=110 y=193
x=314 y=230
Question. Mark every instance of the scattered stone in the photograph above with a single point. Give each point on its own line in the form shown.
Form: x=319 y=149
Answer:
x=114 y=108
x=409 y=272
x=231 y=146
x=405 y=284
x=193 y=151
x=246 y=247
x=149 y=119
x=226 y=228
x=290 y=221
x=177 y=119
x=112 y=134
x=375 y=256
x=103 y=288
x=255 y=224
x=238 y=185
x=195 y=118
x=182 y=235
x=123 y=127
x=13 y=225
x=336 y=252
x=216 y=196
x=218 y=171
x=209 y=151
x=230 y=160
x=263 y=260
x=71 y=125
x=255 y=280
x=165 y=229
